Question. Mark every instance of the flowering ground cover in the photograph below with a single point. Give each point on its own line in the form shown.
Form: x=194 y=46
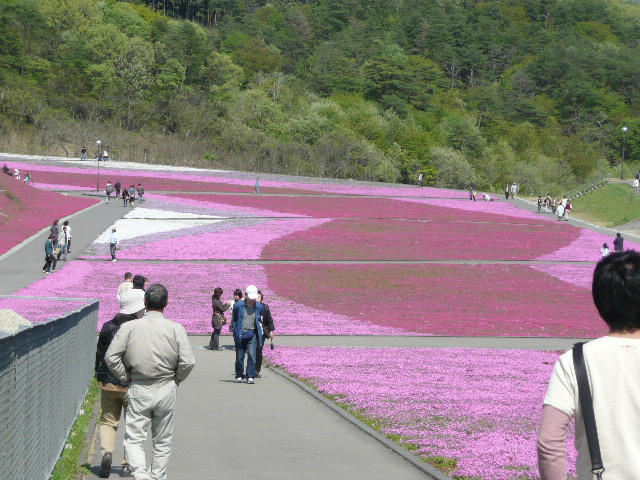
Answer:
x=478 y=407
x=39 y=310
x=359 y=207
x=389 y=239
x=586 y=247
x=25 y=210
x=443 y=299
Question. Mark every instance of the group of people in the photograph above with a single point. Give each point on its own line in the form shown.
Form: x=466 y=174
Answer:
x=561 y=209
x=142 y=357
x=618 y=245
x=16 y=173
x=510 y=191
x=58 y=244
x=129 y=195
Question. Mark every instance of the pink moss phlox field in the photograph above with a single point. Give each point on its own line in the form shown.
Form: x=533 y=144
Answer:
x=444 y=299
x=39 y=310
x=27 y=210
x=386 y=239
x=206 y=204
x=190 y=287
x=242 y=243
x=479 y=406
x=575 y=274
x=54 y=186
x=586 y=247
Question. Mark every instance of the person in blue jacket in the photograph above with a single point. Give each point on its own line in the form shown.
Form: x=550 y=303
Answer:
x=247 y=333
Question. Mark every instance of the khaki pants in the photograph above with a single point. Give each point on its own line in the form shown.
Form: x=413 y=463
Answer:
x=155 y=405
x=112 y=403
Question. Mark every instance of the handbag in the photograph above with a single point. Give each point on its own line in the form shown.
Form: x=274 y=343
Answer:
x=247 y=334
x=57 y=251
x=218 y=320
x=586 y=404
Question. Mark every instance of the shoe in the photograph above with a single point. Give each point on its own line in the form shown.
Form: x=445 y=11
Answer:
x=47 y=273
x=43 y=271
x=220 y=349
x=250 y=381
x=105 y=465
x=258 y=375
x=126 y=471
x=114 y=260
x=238 y=379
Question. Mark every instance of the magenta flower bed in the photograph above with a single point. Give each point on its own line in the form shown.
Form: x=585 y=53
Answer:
x=481 y=407
x=387 y=239
x=27 y=210
x=39 y=310
x=190 y=288
x=444 y=299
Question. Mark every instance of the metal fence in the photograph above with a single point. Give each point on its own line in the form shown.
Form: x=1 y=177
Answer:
x=45 y=372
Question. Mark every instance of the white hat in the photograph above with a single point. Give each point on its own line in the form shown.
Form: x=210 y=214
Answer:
x=132 y=301
x=252 y=292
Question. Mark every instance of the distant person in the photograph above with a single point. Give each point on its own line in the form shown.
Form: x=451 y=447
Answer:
x=472 y=194
x=105 y=156
x=237 y=296
x=218 y=320
x=513 y=190
x=256 y=187
x=612 y=363
x=109 y=189
x=132 y=195
x=49 y=257
x=27 y=177
x=5 y=169
x=83 y=154
x=118 y=186
x=125 y=197
x=16 y=173
x=63 y=244
x=114 y=244
x=539 y=204
x=140 y=191
x=268 y=332
x=126 y=285
x=506 y=192
x=547 y=203
x=421 y=180
x=560 y=211
x=618 y=243
x=113 y=391
x=66 y=224
x=487 y=198
x=554 y=205
x=153 y=354
x=246 y=333
x=55 y=232
x=567 y=209
x=604 y=250
x=636 y=186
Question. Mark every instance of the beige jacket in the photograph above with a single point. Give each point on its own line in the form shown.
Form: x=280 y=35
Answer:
x=151 y=350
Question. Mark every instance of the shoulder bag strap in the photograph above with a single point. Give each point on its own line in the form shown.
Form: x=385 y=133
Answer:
x=586 y=404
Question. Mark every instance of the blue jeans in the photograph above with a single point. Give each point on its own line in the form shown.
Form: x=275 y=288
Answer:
x=248 y=346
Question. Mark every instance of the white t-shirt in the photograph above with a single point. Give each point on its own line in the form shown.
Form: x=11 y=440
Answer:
x=123 y=288
x=613 y=365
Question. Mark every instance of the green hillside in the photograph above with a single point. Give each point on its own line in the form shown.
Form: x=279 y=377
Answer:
x=491 y=92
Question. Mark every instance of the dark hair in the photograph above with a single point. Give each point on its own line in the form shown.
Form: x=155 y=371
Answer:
x=616 y=290
x=139 y=281
x=217 y=293
x=260 y=293
x=121 y=318
x=237 y=293
x=618 y=234
x=156 y=297
x=66 y=222
x=127 y=275
x=55 y=222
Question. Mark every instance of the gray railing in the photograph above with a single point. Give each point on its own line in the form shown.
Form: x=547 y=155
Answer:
x=45 y=372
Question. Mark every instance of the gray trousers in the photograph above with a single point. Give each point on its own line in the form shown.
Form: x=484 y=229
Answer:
x=112 y=249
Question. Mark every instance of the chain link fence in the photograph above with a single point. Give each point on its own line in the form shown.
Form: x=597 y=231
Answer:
x=47 y=354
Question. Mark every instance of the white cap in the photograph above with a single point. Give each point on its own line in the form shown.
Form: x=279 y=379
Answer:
x=132 y=301
x=252 y=292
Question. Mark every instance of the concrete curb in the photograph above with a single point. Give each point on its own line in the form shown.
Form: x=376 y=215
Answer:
x=424 y=467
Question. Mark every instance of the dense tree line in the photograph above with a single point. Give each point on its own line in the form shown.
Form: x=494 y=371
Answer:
x=485 y=91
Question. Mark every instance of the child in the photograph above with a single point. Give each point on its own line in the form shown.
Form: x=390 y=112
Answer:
x=604 y=250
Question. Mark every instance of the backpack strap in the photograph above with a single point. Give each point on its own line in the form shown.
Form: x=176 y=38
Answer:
x=586 y=404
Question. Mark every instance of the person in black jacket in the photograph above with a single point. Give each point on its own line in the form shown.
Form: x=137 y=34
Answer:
x=618 y=243
x=267 y=333
x=217 y=318
x=113 y=398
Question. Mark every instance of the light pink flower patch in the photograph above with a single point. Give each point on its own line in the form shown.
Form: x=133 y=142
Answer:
x=575 y=274
x=40 y=310
x=479 y=406
x=586 y=247
x=54 y=186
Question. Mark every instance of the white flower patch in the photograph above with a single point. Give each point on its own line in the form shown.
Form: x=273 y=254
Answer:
x=154 y=213
x=129 y=228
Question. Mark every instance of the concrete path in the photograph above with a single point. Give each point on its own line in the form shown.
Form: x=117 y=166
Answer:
x=270 y=430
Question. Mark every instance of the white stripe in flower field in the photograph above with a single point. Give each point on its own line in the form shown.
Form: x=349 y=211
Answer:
x=153 y=213
x=129 y=228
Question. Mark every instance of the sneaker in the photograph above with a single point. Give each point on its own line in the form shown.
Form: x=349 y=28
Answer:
x=258 y=375
x=126 y=471
x=250 y=381
x=105 y=465
x=238 y=379
x=114 y=260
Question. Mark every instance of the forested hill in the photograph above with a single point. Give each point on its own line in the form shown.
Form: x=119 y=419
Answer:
x=491 y=92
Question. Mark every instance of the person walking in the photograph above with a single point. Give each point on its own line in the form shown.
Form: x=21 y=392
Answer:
x=55 y=231
x=539 y=204
x=218 y=319
x=237 y=296
x=567 y=209
x=69 y=236
x=118 y=186
x=268 y=330
x=140 y=191
x=152 y=354
x=125 y=197
x=83 y=154
x=114 y=244
x=125 y=286
x=636 y=186
x=49 y=257
x=506 y=192
x=63 y=244
x=132 y=195
x=554 y=205
x=247 y=331
x=514 y=189
x=105 y=156
x=421 y=180
x=618 y=243
x=109 y=189
x=610 y=365
x=256 y=187
x=113 y=392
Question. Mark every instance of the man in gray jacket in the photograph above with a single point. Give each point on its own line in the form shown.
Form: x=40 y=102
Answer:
x=153 y=353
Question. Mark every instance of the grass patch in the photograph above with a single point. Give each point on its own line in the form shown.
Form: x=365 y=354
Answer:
x=68 y=466
x=610 y=205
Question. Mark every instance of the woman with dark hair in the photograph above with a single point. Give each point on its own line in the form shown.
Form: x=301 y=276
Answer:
x=55 y=231
x=267 y=332
x=217 y=319
x=113 y=393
